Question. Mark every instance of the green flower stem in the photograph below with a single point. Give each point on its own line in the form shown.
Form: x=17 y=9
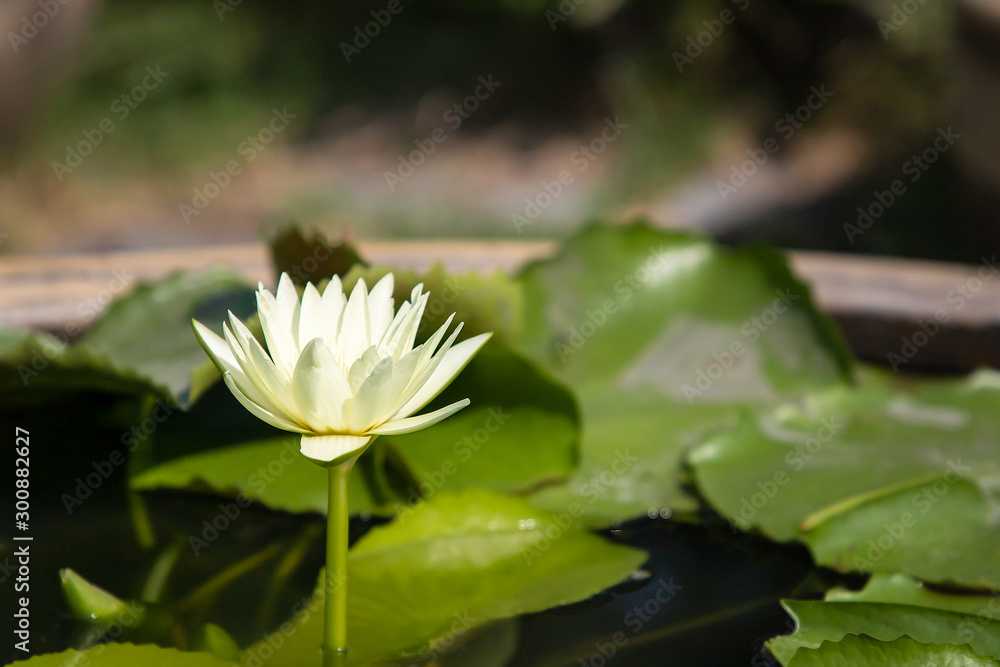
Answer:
x=337 y=516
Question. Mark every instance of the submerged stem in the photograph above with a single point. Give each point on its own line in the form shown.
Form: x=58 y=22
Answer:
x=335 y=628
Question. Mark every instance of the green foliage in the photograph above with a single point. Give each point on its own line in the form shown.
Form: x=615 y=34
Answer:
x=521 y=431
x=634 y=370
x=268 y=471
x=213 y=639
x=149 y=330
x=36 y=368
x=446 y=568
x=88 y=602
x=141 y=345
x=107 y=613
x=872 y=478
x=634 y=320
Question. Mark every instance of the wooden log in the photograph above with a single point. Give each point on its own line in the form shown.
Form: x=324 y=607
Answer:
x=948 y=313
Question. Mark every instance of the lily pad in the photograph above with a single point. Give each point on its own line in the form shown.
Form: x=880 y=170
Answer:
x=149 y=329
x=271 y=471
x=39 y=368
x=818 y=622
x=941 y=529
x=664 y=337
x=454 y=563
x=874 y=478
x=862 y=651
x=520 y=431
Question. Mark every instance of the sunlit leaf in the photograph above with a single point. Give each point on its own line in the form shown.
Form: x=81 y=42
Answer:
x=521 y=430
x=95 y=606
x=148 y=330
x=37 y=368
x=665 y=336
x=270 y=471
x=872 y=478
x=450 y=565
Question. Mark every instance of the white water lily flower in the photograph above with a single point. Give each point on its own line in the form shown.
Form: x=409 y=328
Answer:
x=340 y=370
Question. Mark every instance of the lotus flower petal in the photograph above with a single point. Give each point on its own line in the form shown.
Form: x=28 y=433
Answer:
x=339 y=370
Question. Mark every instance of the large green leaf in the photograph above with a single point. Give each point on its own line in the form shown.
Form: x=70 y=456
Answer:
x=874 y=478
x=125 y=655
x=149 y=329
x=450 y=565
x=38 y=368
x=270 y=471
x=664 y=336
x=938 y=529
x=521 y=430
x=855 y=651
x=818 y=622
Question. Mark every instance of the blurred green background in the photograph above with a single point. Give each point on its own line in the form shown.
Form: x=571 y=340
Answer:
x=697 y=88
